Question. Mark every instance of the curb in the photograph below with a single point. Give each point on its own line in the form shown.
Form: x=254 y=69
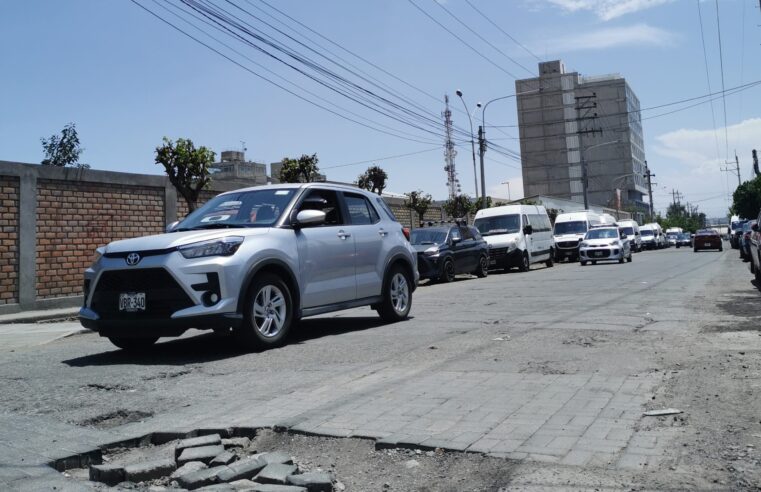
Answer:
x=35 y=316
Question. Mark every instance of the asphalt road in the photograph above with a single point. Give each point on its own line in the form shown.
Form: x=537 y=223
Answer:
x=550 y=370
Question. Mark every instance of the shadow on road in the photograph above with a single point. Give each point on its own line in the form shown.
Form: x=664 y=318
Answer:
x=209 y=347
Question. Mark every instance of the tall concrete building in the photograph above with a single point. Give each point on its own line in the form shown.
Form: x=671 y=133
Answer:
x=565 y=120
x=234 y=167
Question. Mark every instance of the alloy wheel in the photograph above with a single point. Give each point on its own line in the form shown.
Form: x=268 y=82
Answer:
x=269 y=311
x=400 y=292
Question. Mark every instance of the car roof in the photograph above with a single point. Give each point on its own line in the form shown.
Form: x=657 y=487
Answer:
x=293 y=186
x=435 y=228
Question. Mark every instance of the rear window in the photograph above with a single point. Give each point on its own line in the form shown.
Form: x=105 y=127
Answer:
x=385 y=209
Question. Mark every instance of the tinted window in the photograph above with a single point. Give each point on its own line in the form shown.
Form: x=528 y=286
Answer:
x=360 y=210
x=576 y=227
x=385 y=209
x=474 y=232
x=260 y=208
x=465 y=233
x=427 y=236
x=646 y=232
x=326 y=201
x=629 y=231
x=455 y=233
x=602 y=234
x=500 y=224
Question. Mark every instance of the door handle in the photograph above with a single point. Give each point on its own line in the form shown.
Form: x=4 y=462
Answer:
x=343 y=235
x=383 y=233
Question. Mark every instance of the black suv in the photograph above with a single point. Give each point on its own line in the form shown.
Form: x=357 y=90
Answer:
x=448 y=250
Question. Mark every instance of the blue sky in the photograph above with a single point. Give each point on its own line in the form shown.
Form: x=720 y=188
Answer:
x=127 y=80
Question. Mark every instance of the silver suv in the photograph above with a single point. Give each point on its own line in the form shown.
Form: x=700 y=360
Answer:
x=255 y=260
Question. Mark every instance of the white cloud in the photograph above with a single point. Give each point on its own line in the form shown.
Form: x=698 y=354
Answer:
x=607 y=9
x=634 y=35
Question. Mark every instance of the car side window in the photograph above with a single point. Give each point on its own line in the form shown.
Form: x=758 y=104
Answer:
x=525 y=221
x=325 y=201
x=361 y=212
x=465 y=233
x=474 y=232
x=386 y=209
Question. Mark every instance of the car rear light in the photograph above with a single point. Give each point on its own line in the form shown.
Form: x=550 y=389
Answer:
x=406 y=232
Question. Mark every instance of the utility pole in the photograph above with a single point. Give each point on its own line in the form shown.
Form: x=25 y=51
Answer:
x=734 y=169
x=481 y=151
x=649 y=175
x=755 y=158
x=676 y=196
x=585 y=105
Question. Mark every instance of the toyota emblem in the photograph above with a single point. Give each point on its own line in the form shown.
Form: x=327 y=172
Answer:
x=133 y=259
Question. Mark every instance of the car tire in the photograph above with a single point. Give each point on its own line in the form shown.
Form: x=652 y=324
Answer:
x=622 y=259
x=757 y=274
x=397 y=296
x=677 y=246
x=525 y=264
x=483 y=267
x=447 y=271
x=551 y=260
x=269 y=302
x=583 y=263
x=594 y=262
x=695 y=250
x=629 y=259
x=133 y=344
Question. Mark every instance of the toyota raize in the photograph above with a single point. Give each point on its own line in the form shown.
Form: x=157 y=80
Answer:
x=255 y=260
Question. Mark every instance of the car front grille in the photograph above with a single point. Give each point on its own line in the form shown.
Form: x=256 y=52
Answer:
x=163 y=295
x=495 y=253
x=567 y=244
x=598 y=253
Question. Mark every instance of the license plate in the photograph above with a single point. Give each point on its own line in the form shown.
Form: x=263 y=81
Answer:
x=598 y=253
x=132 y=301
x=492 y=262
x=707 y=245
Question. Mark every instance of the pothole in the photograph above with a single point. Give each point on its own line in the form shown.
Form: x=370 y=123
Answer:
x=108 y=387
x=117 y=418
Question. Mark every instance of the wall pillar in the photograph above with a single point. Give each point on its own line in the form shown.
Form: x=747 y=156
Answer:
x=170 y=203
x=27 y=240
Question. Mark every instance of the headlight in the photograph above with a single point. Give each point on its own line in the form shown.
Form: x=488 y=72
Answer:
x=584 y=244
x=512 y=244
x=225 y=246
x=432 y=251
x=98 y=253
x=614 y=243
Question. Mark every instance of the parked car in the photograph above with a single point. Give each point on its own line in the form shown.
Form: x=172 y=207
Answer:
x=745 y=240
x=569 y=231
x=672 y=238
x=446 y=251
x=518 y=235
x=605 y=244
x=755 y=250
x=707 y=239
x=631 y=229
x=735 y=231
x=652 y=236
x=255 y=260
x=684 y=239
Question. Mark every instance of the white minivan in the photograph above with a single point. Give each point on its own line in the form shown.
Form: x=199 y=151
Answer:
x=631 y=229
x=569 y=232
x=517 y=235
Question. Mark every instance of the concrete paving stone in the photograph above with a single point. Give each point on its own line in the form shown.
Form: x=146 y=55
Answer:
x=276 y=473
x=276 y=458
x=201 y=453
x=483 y=445
x=223 y=458
x=632 y=461
x=600 y=445
x=645 y=451
x=107 y=474
x=619 y=434
x=506 y=446
x=563 y=442
x=543 y=458
x=602 y=459
x=243 y=484
x=149 y=470
x=197 y=479
x=642 y=440
x=195 y=442
x=312 y=481
x=265 y=487
x=191 y=466
x=236 y=442
x=577 y=457
x=245 y=468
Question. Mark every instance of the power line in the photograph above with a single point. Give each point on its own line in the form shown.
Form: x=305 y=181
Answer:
x=480 y=37
x=488 y=19
x=382 y=158
x=708 y=79
x=723 y=99
x=474 y=50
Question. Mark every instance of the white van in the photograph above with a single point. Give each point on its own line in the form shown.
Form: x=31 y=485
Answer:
x=652 y=236
x=672 y=235
x=570 y=229
x=518 y=235
x=631 y=229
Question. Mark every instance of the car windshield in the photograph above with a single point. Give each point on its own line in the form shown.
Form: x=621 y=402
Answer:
x=746 y=227
x=500 y=224
x=427 y=236
x=629 y=231
x=684 y=236
x=737 y=224
x=672 y=235
x=258 y=208
x=602 y=234
x=646 y=232
x=575 y=227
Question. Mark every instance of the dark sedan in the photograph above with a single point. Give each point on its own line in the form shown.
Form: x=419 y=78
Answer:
x=684 y=239
x=745 y=240
x=446 y=251
x=707 y=239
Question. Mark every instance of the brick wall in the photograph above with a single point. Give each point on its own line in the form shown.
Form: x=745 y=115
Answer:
x=74 y=218
x=9 y=193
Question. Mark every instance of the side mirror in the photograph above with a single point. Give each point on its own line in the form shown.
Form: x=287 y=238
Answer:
x=624 y=236
x=307 y=218
x=528 y=230
x=456 y=240
x=754 y=227
x=170 y=227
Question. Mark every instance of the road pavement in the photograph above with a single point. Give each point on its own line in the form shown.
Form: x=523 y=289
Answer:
x=551 y=369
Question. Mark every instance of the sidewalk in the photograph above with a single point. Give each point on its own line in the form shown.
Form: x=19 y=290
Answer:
x=40 y=315
x=20 y=335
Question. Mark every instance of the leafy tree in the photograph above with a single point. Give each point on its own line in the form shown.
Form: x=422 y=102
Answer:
x=301 y=170
x=374 y=179
x=746 y=200
x=187 y=167
x=678 y=215
x=63 y=150
x=476 y=206
x=458 y=206
x=418 y=202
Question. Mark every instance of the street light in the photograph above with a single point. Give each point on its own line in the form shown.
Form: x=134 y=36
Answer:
x=482 y=137
x=584 y=168
x=472 y=142
x=508 y=190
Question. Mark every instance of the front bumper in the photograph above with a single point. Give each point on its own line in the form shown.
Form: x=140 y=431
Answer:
x=159 y=327
x=504 y=257
x=429 y=266
x=601 y=254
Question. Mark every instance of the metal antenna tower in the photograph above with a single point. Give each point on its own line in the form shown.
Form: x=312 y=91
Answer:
x=453 y=184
